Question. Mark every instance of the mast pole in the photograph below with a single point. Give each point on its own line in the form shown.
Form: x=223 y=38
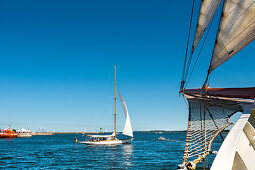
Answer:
x=115 y=106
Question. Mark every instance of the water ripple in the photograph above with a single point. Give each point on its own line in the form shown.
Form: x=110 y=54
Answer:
x=60 y=152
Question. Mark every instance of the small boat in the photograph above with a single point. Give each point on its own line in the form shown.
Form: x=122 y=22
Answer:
x=105 y=140
x=24 y=133
x=8 y=133
x=111 y=139
x=84 y=132
x=161 y=138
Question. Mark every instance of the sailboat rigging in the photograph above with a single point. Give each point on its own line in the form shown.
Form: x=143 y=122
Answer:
x=211 y=108
x=112 y=139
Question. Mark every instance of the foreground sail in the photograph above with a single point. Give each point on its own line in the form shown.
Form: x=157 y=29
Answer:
x=236 y=31
x=207 y=11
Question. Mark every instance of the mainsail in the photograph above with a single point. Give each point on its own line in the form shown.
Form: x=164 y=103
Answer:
x=127 y=128
x=207 y=11
x=236 y=31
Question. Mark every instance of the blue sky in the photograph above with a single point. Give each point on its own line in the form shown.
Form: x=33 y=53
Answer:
x=57 y=64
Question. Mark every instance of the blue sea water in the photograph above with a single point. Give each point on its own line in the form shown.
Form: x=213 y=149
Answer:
x=61 y=152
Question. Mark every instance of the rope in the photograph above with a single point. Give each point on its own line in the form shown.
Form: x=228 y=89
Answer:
x=208 y=117
x=199 y=52
x=185 y=60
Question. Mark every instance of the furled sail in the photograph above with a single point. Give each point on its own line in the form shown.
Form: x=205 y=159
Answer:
x=127 y=128
x=236 y=31
x=207 y=11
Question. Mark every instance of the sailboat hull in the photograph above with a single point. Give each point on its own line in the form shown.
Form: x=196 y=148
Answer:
x=107 y=142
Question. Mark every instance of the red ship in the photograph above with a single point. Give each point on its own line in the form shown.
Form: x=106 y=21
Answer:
x=8 y=133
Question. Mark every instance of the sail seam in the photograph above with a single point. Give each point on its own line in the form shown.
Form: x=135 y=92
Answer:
x=248 y=35
x=237 y=18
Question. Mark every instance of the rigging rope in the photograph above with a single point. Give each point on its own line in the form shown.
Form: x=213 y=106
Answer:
x=187 y=65
x=208 y=117
x=184 y=66
x=199 y=52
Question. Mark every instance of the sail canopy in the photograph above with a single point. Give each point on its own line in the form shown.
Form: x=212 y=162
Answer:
x=127 y=128
x=207 y=11
x=236 y=31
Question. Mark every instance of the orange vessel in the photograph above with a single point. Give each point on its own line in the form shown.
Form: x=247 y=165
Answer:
x=8 y=134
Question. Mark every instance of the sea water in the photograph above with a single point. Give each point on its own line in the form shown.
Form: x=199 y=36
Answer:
x=61 y=152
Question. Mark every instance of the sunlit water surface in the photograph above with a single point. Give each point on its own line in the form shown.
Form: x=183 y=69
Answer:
x=61 y=152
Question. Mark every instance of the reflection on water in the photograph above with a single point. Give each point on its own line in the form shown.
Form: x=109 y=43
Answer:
x=128 y=154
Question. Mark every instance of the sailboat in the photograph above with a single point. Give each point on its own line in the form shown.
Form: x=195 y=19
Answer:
x=210 y=109
x=112 y=139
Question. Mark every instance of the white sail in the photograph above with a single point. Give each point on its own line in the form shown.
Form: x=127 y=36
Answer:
x=207 y=11
x=127 y=128
x=236 y=31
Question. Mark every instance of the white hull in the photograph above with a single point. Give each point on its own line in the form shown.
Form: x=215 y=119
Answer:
x=238 y=149
x=27 y=135
x=107 y=142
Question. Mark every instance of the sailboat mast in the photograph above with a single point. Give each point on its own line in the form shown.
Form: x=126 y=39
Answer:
x=115 y=106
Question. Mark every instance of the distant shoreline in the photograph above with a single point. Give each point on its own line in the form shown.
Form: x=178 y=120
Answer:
x=145 y=131
x=149 y=131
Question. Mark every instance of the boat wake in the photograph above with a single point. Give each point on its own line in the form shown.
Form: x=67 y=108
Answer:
x=164 y=139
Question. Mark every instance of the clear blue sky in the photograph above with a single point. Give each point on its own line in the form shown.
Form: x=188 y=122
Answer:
x=57 y=63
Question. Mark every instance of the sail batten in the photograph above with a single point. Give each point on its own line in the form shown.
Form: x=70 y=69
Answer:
x=127 y=128
x=236 y=31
